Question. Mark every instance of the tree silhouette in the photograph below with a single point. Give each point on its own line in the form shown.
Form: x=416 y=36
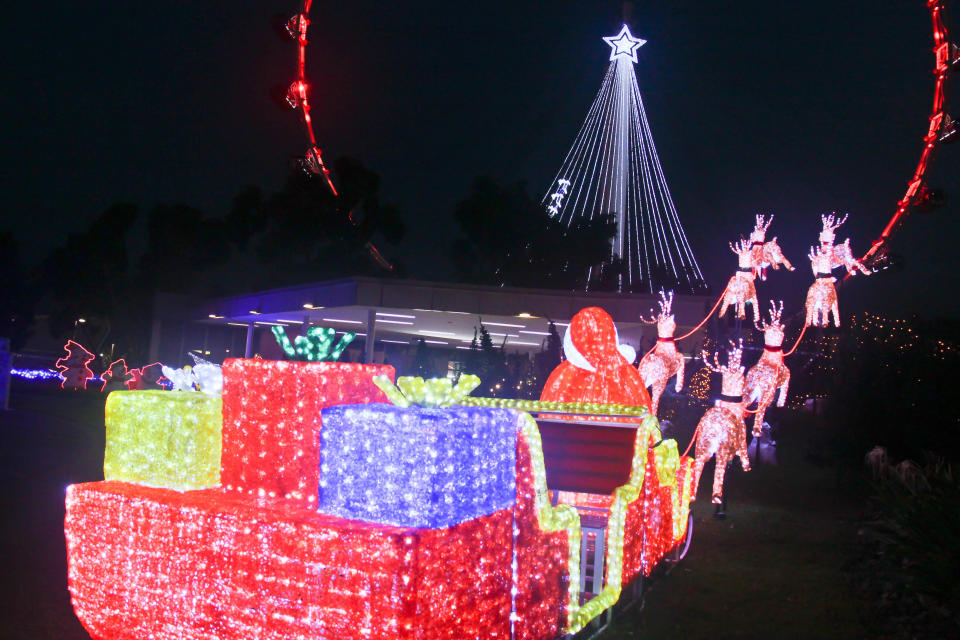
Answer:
x=181 y=244
x=16 y=294
x=309 y=234
x=506 y=238
x=89 y=277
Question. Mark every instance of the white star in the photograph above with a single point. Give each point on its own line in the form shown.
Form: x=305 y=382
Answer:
x=624 y=44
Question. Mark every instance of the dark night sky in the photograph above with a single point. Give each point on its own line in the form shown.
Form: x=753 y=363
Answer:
x=789 y=108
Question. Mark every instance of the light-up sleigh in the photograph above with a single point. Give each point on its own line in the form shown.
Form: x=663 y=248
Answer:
x=301 y=505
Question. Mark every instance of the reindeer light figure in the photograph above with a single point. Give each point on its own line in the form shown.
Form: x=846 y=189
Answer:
x=741 y=290
x=830 y=225
x=757 y=238
x=765 y=254
x=822 y=294
x=840 y=254
x=722 y=431
x=770 y=373
x=664 y=361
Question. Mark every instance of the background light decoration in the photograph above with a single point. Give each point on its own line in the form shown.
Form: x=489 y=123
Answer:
x=663 y=361
x=769 y=374
x=722 y=431
x=596 y=369
x=36 y=374
x=613 y=166
x=741 y=290
x=146 y=377
x=556 y=198
x=116 y=377
x=73 y=366
x=318 y=345
x=163 y=439
x=208 y=376
x=180 y=379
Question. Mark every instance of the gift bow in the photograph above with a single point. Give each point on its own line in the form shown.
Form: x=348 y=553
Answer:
x=435 y=392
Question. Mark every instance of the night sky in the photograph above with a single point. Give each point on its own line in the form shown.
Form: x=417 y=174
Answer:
x=786 y=108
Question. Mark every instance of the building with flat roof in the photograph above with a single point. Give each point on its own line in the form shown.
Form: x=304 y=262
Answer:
x=389 y=316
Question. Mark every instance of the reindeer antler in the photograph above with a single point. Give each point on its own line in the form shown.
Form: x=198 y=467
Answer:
x=715 y=366
x=734 y=355
x=666 y=302
x=742 y=246
x=762 y=224
x=775 y=312
x=830 y=221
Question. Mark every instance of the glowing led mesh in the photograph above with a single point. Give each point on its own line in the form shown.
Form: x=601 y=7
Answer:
x=271 y=421
x=595 y=369
x=419 y=467
x=663 y=361
x=163 y=439
x=204 y=565
x=215 y=563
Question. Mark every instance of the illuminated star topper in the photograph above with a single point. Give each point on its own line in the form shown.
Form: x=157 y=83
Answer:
x=624 y=44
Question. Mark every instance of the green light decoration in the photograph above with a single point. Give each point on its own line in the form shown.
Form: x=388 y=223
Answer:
x=435 y=392
x=316 y=346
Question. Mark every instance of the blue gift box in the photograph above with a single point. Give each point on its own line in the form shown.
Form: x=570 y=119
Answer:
x=416 y=467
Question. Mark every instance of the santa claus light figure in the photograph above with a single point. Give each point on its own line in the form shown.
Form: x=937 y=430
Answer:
x=597 y=367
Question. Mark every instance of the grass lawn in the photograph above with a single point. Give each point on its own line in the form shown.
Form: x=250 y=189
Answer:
x=771 y=569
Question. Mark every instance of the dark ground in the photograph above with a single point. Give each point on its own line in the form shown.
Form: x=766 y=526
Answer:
x=772 y=568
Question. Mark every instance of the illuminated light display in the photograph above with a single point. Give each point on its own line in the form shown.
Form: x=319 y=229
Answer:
x=435 y=392
x=298 y=98
x=180 y=379
x=73 y=366
x=316 y=346
x=769 y=373
x=664 y=361
x=36 y=374
x=757 y=238
x=596 y=369
x=146 y=377
x=763 y=253
x=271 y=421
x=648 y=515
x=741 y=290
x=207 y=375
x=163 y=439
x=116 y=377
x=218 y=563
x=772 y=256
x=828 y=231
x=155 y=563
x=624 y=45
x=556 y=198
x=417 y=467
x=946 y=54
x=722 y=431
x=613 y=167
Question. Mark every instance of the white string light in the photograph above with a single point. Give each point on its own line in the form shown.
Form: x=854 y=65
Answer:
x=613 y=167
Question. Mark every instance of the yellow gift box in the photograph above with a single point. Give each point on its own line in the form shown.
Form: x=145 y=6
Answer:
x=167 y=439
